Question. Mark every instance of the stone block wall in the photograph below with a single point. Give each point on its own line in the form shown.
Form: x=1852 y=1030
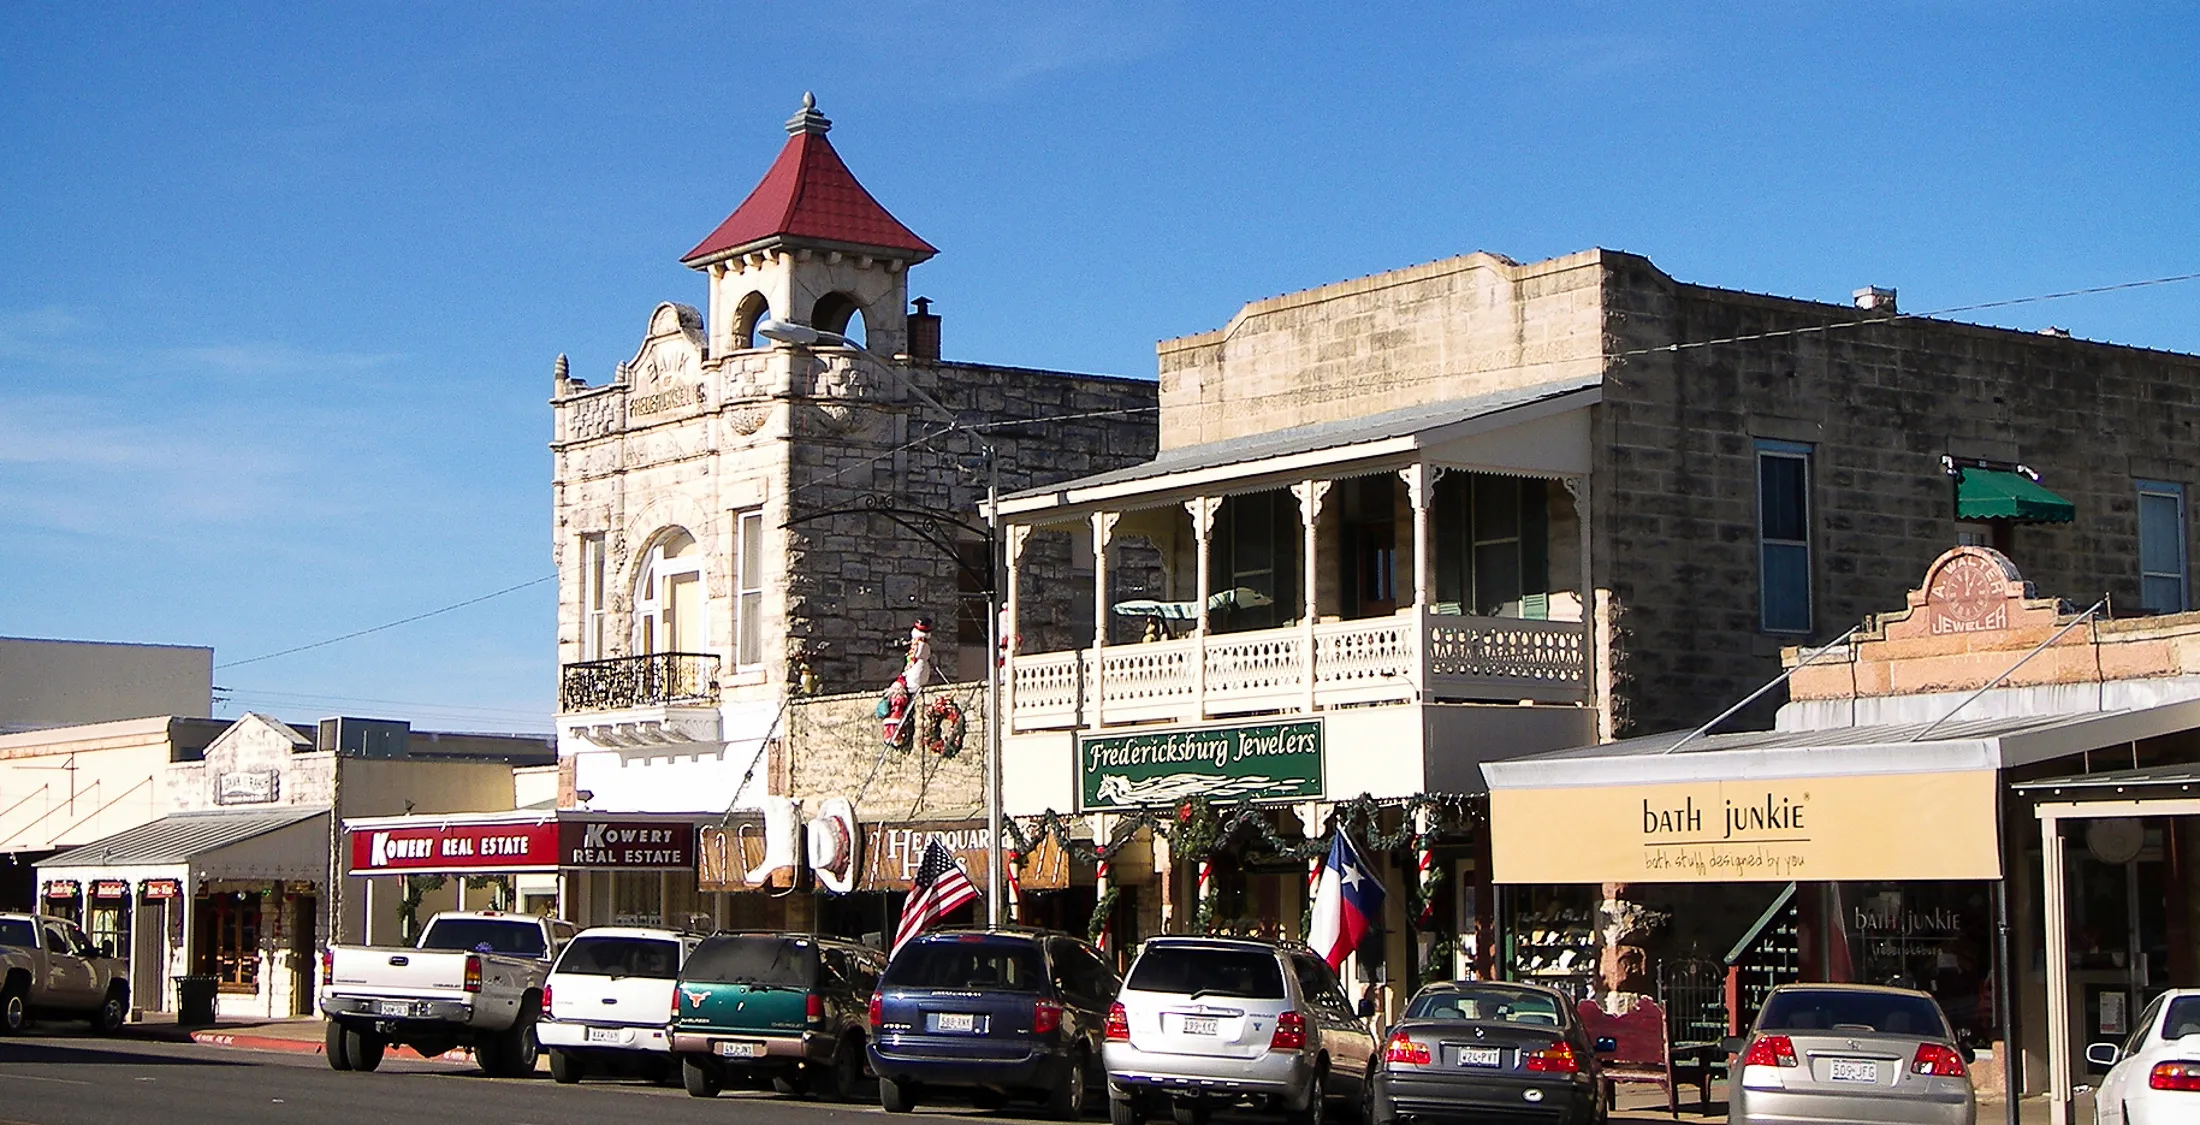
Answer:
x=834 y=749
x=1879 y=403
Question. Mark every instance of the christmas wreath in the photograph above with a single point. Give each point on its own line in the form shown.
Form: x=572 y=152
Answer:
x=944 y=726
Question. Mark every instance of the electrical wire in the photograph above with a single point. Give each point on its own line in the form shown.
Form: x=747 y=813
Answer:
x=388 y=625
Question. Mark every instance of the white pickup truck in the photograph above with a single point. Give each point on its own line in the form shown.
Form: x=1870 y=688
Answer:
x=47 y=968
x=474 y=979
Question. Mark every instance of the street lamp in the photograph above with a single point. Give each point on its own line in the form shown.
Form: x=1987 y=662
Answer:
x=802 y=335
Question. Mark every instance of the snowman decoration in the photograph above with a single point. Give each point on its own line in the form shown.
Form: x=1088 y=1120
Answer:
x=896 y=705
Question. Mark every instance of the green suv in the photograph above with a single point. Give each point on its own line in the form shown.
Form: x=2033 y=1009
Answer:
x=788 y=1009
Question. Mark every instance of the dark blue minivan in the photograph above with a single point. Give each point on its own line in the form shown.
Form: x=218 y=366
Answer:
x=991 y=1015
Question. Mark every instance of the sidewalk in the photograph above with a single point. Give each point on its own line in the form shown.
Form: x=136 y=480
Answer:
x=304 y=1034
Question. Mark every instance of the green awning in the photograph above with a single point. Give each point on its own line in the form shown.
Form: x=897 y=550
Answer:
x=1995 y=494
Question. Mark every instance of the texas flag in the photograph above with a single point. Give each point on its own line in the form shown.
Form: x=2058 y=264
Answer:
x=1347 y=901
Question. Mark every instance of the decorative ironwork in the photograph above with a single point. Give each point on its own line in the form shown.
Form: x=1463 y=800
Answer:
x=660 y=679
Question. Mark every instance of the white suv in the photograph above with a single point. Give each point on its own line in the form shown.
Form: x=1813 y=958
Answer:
x=609 y=999
x=1203 y=1022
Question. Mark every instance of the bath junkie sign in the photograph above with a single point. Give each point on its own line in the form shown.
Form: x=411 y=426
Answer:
x=1238 y=763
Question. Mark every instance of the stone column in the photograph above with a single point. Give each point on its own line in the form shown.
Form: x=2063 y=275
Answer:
x=1103 y=529
x=1311 y=493
x=1202 y=511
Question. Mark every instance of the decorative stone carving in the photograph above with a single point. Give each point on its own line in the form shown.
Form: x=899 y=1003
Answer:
x=749 y=418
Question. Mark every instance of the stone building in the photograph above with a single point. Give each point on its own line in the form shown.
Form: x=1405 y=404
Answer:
x=737 y=521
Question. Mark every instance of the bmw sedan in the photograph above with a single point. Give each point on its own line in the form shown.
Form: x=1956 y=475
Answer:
x=1487 y=1051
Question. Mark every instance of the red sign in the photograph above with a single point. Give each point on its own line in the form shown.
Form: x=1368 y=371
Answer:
x=163 y=888
x=455 y=848
x=62 y=888
x=110 y=888
x=628 y=845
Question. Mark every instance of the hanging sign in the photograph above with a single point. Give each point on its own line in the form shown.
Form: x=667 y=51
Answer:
x=110 y=888
x=892 y=851
x=163 y=888
x=1237 y=763
x=454 y=848
x=248 y=787
x=63 y=888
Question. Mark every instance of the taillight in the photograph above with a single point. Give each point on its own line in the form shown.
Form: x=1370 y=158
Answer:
x=546 y=996
x=1046 y=1016
x=1119 y=1024
x=1290 y=1032
x=473 y=972
x=2174 y=1076
x=878 y=1011
x=1402 y=1049
x=328 y=964
x=1558 y=1058
x=1937 y=1060
x=1770 y=1050
x=814 y=1008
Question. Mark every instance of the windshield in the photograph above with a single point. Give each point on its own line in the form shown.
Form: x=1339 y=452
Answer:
x=754 y=960
x=1893 y=1013
x=1192 y=971
x=1485 y=1005
x=520 y=937
x=991 y=966
x=621 y=957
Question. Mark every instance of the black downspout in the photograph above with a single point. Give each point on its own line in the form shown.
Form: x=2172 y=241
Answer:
x=2004 y=997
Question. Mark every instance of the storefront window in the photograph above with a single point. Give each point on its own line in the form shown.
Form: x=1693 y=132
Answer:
x=230 y=948
x=1935 y=937
x=1550 y=936
x=110 y=922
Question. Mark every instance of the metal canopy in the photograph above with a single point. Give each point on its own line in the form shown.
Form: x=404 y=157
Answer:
x=1998 y=494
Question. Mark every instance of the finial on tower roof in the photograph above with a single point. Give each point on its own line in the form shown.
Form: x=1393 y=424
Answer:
x=809 y=120
x=562 y=369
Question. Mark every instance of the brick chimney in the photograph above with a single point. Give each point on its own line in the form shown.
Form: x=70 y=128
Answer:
x=924 y=332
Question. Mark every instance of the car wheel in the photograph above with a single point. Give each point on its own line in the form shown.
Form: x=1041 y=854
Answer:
x=339 y=1058
x=565 y=1067
x=847 y=1075
x=114 y=1011
x=700 y=1076
x=1316 y=1111
x=1373 y=1111
x=1189 y=1112
x=896 y=1097
x=521 y=1047
x=790 y=1085
x=363 y=1049
x=1066 y=1101
x=1124 y=1111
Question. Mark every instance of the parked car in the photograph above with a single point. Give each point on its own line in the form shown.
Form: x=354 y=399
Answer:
x=1207 y=1022
x=787 y=1009
x=607 y=1002
x=48 y=968
x=2154 y=1074
x=991 y=1015
x=1846 y=1052
x=473 y=979
x=1478 y=1049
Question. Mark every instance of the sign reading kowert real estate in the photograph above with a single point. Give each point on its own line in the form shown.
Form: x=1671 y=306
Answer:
x=455 y=848
x=630 y=846
x=1237 y=763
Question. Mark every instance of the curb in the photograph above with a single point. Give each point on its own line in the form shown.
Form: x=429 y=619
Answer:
x=305 y=1046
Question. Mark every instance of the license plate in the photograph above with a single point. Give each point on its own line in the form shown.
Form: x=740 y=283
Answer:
x=954 y=1021
x=606 y=1035
x=1481 y=1056
x=739 y=1050
x=1849 y=1070
x=393 y=1008
x=1199 y=1025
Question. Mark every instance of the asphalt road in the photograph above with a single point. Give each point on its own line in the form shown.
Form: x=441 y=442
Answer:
x=52 y=1080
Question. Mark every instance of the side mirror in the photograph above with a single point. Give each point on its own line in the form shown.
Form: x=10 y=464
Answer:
x=2104 y=1054
x=1967 y=1053
x=1734 y=1044
x=1606 y=1044
x=1367 y=1007
x=107 y=948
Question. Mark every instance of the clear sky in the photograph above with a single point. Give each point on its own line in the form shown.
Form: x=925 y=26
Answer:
x=283 y=283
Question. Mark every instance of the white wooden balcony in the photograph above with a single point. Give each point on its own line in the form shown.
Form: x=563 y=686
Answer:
x=1412 y=656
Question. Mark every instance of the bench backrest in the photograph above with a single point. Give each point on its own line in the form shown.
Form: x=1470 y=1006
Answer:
x=1640 y=1033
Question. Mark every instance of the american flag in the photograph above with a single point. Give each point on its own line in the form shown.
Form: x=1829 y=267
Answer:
x=940 y=886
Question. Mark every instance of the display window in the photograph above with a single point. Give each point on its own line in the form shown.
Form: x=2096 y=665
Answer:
x=1936 y=937
x=1550 y=936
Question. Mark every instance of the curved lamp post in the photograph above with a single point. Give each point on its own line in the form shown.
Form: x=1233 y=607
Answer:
x=802 y=335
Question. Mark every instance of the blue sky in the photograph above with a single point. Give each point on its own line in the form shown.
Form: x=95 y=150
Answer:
x=284 y=282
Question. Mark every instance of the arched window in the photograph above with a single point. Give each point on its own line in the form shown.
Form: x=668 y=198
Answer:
x=752 y=311
x=669 y=603
x=838 y=313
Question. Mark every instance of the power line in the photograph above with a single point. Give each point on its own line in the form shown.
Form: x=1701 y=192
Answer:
x=389 y=625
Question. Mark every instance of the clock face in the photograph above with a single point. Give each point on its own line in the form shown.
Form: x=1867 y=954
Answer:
x=1967 y=589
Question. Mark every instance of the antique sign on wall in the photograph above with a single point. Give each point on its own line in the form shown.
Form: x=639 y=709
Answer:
x=248 y=787
x=163 y=888
x=1235 y=763
x=1826 y=829
x=891 y=852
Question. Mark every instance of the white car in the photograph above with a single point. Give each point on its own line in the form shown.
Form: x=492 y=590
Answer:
x=609 y=999
x=2154 y=1074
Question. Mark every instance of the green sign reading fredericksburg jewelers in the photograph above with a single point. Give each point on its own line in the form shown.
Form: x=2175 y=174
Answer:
x=1242 y=763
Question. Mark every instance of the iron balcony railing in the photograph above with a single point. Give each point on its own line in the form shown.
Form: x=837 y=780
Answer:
x=660 y=679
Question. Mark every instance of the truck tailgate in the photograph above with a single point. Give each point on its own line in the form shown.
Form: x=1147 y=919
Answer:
x=396 y=972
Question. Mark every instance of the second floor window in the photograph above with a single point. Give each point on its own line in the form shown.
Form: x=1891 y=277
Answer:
x=748 y=582
x=1783 y=537
x=669 y=611
x=592 y=599
x=2162 y=547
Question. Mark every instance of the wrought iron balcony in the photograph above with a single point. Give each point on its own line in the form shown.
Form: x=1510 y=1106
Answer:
x=660 y=679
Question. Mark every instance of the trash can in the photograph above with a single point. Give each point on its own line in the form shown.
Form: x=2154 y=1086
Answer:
x=195 y=1000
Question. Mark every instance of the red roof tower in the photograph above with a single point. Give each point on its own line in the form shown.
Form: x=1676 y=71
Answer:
x=809 y=198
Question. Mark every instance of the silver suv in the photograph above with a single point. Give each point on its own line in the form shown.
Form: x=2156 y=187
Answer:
x=1203 y=1022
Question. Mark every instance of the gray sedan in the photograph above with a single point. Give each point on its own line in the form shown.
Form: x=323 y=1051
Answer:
x=1483 y=1050
x=1843 y=1052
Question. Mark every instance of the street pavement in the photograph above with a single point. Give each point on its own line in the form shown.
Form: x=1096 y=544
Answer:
x=65 y=1079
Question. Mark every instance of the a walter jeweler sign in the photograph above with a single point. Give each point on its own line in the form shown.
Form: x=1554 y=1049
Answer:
x=1236 y=763
x=423 y=846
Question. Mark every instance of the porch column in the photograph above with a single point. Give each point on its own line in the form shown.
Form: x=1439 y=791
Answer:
x=1311 y=493
x=1420 y=493
x=1019 y=534
x=1103 y=529
x=1202 y=509
x=2058 y=973
x=1594 y=684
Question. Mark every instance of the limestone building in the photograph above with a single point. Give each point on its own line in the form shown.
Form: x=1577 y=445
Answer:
x=735 y=518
